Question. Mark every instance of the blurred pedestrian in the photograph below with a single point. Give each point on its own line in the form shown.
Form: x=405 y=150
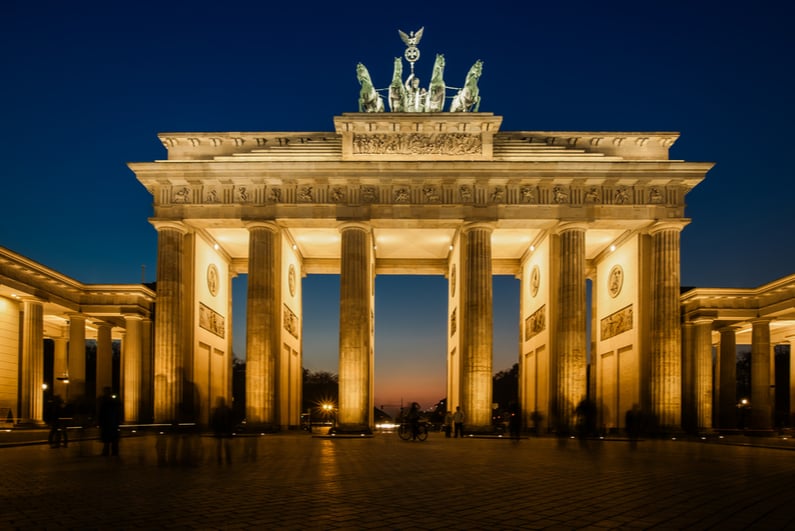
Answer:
x=458 y=422
x=447 y=424
x=109 y=417
x=223 y=426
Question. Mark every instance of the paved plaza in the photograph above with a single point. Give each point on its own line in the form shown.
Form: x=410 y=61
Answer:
x=297 y=481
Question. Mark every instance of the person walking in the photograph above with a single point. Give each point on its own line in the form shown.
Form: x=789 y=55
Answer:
x=458 y=422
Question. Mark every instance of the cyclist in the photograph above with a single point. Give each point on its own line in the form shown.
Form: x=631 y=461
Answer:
x=413 y=418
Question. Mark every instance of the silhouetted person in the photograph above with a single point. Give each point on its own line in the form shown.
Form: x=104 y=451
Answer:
x=632 y=421
x=448 y=424
x=413 y=418
x=52 y=416
x=109 y=417
x=458 y=422
x=223 y=425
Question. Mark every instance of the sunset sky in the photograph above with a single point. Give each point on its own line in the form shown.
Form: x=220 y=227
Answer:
x=88 y=85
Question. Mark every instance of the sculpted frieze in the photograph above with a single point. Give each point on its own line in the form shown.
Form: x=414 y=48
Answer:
x=211 y=320
x=616 y=323
x=535 y=323
x=427 y=193
x=290 y=322
x=417 y=144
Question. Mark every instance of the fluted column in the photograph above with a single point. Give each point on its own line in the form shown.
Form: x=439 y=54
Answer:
x=761 y=405
x=477 y=323
x=77 y=357
x=104 y=357
x=702 y=375
x=147 y=371
x=60 y=367
x=169 y=320
x=356 y=280
x=132 y=368
x=727 y=389
x=791 y=417
x=666 y=347
x=31 y=393
x=570 y=364
x=262 y=324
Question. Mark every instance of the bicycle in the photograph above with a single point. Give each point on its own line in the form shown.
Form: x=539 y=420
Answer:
x=404 y=431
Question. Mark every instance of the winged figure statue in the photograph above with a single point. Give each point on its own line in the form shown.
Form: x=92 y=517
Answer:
x=413 y=38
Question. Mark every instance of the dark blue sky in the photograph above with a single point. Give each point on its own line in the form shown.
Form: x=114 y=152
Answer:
x=86 y=87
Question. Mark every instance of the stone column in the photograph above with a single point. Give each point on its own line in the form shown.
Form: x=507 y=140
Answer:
x=791 y=340
x=727 y=395
x=31 y=393
x=666 y=343
x=77 y=357
x=262 y=324
x=761 y=405
x=104 y=357
x=147 y=368
x=169 y=320
x=570 y=364
x=702 y=374
x=132 y=369
x=60 y=368
x=476 y=326
x=356 y=281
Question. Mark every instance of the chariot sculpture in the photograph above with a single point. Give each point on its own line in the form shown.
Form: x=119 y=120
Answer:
x=408 y=95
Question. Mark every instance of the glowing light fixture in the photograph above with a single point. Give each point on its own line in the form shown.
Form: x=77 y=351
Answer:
x=216 y=246
x=612 y=248
x=532 y=248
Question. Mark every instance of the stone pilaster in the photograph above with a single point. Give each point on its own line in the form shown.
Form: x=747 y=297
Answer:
x=169 y=321
x=132 y=369
x=31 y=392
x=569 y=354
x=702 y=374
x=77 y=357
x=727 y=388
x=666 y=344
x=104 y=357
x=356 y=281
x=761 y=403
x=477 y=323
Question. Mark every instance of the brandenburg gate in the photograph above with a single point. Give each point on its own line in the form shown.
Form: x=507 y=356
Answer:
x=423 y=193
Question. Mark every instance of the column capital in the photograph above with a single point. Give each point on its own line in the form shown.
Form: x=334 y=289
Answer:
x=729 y=329
x=165 y=224
x=669 y=224
x=132 y=317
x=360 y=225
x=475 y=225
x=565 y=226
x=259 y=224
x=762 y=320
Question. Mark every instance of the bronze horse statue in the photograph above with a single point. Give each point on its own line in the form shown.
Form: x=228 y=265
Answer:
x=397 y=92
x=436 y=90
x=468 y=98
x=369 y=99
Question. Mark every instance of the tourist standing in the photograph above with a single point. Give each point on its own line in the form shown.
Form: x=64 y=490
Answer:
x=458 y=422
x=448 y=424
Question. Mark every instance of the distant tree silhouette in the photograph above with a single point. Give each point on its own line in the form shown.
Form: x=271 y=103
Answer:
x=505 y=387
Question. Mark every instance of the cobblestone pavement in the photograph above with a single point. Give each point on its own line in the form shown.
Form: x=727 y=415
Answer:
x=295 y=481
